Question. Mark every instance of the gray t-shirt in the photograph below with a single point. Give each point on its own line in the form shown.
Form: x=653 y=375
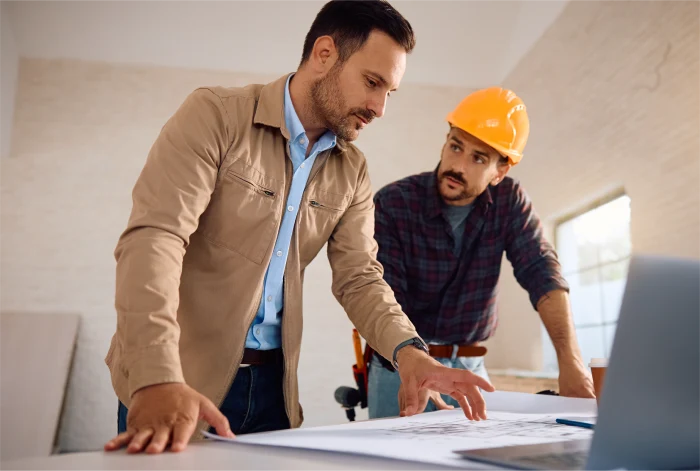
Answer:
x=457 y=217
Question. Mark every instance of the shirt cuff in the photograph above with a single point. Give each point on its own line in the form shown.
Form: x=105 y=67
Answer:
x=542 y=289
x=156 y=364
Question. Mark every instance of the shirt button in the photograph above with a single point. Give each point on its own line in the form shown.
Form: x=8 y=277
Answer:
x=290 y=208
x=302 y=141
x=302 y=165
x=257 y=331
x=279 y=253
x=269 y=299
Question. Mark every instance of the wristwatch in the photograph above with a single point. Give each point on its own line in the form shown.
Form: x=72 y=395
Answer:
x=416 y=342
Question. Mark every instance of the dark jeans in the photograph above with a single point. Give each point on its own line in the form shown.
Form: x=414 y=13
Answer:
x=254 y=403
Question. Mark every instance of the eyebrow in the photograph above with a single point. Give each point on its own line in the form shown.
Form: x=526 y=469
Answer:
x=475 y=151
x=381 y=79
x=457 y=141
x=483 y=154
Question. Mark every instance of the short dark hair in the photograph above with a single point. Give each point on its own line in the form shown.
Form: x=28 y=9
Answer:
x=350 y=22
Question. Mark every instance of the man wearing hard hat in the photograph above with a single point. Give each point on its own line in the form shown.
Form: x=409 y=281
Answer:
x=442 y=235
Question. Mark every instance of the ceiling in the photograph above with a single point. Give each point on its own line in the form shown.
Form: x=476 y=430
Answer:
x=459 y=43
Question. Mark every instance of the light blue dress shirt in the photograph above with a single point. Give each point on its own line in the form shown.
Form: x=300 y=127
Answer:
x=265 y=332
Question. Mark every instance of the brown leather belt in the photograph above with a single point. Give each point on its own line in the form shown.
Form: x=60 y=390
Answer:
x=446 y=351
x=261 y=357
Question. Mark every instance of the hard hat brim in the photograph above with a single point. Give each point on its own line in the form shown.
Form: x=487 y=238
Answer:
x=513 y=156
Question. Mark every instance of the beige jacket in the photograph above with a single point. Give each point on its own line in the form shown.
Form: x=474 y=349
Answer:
x=206 y=211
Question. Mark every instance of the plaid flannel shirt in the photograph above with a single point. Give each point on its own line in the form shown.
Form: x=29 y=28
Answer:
x=452 y=298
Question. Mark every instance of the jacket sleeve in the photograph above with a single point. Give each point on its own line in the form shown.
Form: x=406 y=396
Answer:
x=358 y=284
x=172 y=191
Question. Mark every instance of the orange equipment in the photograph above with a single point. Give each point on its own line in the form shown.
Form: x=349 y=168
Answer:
x=349 y=397
x=497 y=117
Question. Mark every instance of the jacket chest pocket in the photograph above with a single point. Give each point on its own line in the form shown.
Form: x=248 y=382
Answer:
x=243 y=215
x=321 y=212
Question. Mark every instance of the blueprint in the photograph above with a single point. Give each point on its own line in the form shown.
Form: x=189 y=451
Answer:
x=500 y=428
x=513 y=419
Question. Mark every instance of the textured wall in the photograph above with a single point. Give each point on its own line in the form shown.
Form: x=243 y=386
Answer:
x=612 y=93
x=8 y=81
x=82 y=132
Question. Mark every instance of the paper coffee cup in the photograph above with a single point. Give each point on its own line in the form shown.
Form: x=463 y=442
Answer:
x=598 y=367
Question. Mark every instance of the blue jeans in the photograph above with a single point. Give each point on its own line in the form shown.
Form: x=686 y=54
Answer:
x=254 y=403
x=383 y=386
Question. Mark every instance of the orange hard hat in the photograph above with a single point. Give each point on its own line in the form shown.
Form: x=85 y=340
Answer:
x=497 y=117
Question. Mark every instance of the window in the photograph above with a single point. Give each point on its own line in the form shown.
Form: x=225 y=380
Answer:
x=594 y=249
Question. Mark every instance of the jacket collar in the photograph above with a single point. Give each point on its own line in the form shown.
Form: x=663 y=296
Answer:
x=270 y=109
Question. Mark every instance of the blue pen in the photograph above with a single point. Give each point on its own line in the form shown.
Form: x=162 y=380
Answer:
x=585 y=422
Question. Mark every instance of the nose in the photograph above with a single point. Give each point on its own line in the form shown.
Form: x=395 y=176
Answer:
x=460 y=169
x=378 y=105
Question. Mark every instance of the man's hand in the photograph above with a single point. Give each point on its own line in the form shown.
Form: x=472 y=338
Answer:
x=421 y=375
x=575 y=380
x=165 y=413
x=555 y=311
x=423 y=397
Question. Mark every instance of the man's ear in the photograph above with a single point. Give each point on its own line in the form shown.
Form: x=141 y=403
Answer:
x=503 y=169
x=323 y=55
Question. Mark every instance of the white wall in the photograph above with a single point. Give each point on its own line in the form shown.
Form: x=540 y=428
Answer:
x=266 y=37
x=8 y=77
x=83 y=131
x=612 y=93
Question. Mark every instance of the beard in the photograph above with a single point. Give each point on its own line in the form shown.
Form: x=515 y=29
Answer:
x=328 y=105
x=465 y=193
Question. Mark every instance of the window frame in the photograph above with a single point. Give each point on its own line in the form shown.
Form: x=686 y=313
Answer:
x=568 y=217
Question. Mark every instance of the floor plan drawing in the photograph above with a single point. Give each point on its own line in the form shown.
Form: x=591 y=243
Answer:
x=513 y=419
x=542 y=427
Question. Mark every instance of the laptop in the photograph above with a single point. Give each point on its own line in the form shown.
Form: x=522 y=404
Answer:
x=649 y=410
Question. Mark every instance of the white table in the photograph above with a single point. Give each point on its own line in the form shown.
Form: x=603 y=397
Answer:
x=275 y=451
x=208 y=455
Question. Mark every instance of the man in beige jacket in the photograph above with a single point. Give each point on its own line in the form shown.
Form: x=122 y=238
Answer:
x=239 y=193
